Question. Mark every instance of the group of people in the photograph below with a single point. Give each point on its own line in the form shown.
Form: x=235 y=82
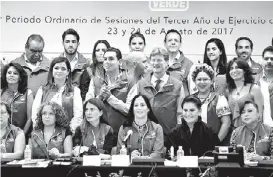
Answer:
x=65 y=106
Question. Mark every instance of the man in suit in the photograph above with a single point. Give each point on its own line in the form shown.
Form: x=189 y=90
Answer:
x=243 y=49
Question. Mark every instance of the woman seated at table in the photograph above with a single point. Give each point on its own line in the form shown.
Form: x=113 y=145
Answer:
x=12 y=137
x=195 y=136
x=52 y=136
x=215 y=109
x=147 y=135
x=254 y=135
x=93 y=130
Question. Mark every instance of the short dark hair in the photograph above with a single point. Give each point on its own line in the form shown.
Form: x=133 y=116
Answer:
x=137 y=34
x=244 y=38
x=23 y=81
x=242 y=64
x=172 y=31
x=268 y=49
x=116 y=50
x=34 y=37
x=131 y=115
x=223 y=57
x=249 y=102
x=72 y=32
x=192 y=99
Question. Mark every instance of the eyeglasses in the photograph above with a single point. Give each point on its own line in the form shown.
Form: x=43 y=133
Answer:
x=268 y=58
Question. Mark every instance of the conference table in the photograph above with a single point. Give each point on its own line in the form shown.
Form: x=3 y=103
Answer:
x=133 y=171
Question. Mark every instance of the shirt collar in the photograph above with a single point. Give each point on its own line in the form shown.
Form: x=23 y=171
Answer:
x=75 y=58
x=164 y=78
x=34 y=64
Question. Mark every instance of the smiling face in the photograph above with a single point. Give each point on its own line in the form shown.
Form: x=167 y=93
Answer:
x=235 y=72
x=140 y=108
x=12 y=75
x=244 y=50
x=48 y=116
x=203 y=82
x=173 y=42
x=190 y=112
x=249 y=114
x=4 y=118
x=213 y=52
x=137 y=44
x=111 y=61
x=60 y=71
x=92 y=113
x=70 y=44
x=159 y=64
x=100 y=50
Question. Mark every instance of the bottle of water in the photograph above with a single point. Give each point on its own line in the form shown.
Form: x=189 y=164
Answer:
x=123 y=150
x=27 y=153
x=180 y=152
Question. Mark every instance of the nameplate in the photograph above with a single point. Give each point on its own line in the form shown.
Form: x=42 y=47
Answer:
x=223 y=149
x=120 y=160
x=188 y=161
x=91 y=160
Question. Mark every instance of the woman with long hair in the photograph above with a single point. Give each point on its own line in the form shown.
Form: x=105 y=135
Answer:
x=95 y=68
x=215 y=108
x=195 y=136
x=215 y=56
x=59 y=89
x=241 y=88
x=14 y=91
x=12 y=137
x=51 y=137
x=254 y=135
x=93 y=130
x=147 y=135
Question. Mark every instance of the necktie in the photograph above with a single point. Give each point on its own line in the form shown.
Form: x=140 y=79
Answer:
x=252 y=142
x=157 y=85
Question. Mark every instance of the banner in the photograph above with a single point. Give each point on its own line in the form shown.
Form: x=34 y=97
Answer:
x=115 y=21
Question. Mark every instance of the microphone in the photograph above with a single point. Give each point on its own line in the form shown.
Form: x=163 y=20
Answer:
x=129 y=133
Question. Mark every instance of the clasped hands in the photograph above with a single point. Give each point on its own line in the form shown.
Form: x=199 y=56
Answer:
x=54 y=153
x=105 y=93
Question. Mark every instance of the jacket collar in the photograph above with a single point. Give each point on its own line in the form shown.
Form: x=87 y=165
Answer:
x=168 y=87
x=81 y=61
x=44 y=63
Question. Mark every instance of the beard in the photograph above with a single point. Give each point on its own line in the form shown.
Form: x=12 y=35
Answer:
x=70 y=52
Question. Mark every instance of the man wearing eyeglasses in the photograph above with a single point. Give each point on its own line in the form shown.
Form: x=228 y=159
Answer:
x=266 y=84
x=34 y=62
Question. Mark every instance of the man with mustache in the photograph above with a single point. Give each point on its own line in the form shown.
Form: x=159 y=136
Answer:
x=179 y=65
x=34 y=62
x=266 y=84
x=71 y=42
x=243 y=49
